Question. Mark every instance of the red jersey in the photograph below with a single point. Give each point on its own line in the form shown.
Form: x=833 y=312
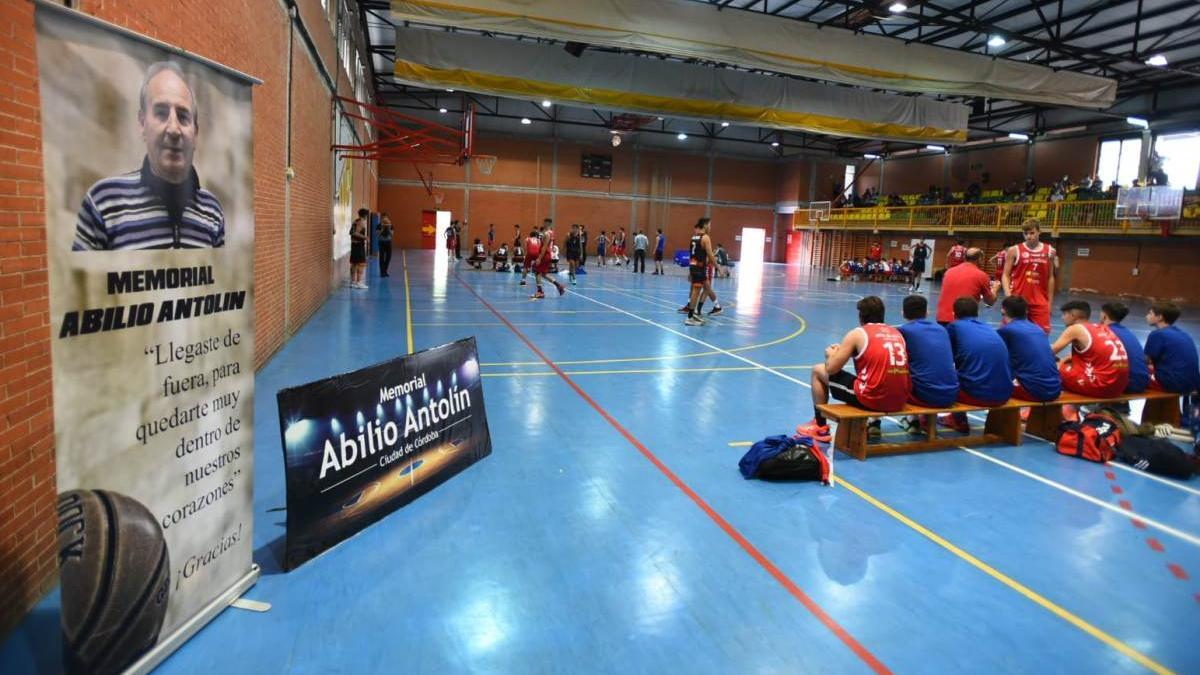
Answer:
x=876 y=252
x=956 y=256
x=1104 y=363
x=998 y=262
x=1031 y=274
x=962 y=281
x=881 y=379
x=533 y=246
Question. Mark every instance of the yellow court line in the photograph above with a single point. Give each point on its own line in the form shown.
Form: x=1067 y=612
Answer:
x=772 y=343
x=407 y=302
x=565 y=324
x=1017 y=586
x=643 y=371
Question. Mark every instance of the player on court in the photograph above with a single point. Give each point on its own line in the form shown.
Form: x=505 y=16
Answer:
x=919 y=254
x=533 y=248
x=574 y=251
x=706 y=291
x=1029 y=271
x=1098 y=366
x=660 y=244
x=957 y=254
x=699 y=254
x=537 y=253
x=880 y=380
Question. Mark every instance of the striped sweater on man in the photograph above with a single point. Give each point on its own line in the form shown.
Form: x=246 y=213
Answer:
x=138 y=210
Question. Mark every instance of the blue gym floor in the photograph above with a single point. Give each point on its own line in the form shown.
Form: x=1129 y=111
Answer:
x=610 y=531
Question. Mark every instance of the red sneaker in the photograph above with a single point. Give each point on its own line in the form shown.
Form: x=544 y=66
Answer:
x=819 y=432
x=957 y=424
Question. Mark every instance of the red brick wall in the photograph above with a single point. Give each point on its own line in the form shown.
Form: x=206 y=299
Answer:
x=249 y=36
x=670 y=191
x=27 y=488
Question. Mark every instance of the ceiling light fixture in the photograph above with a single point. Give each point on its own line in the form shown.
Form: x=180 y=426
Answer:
x=1158 y=61
x=546 y=103
x=1018 y=136
x=682 y=136
x=1138 y=122
x=774 y=144
x=996 y=41
x=526 y=120
x=937 y=148
x=442 y=110
x=898 y=7
x=870 y=156
x=724 y=124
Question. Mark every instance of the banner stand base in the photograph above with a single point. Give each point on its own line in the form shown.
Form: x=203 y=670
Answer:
x=175 y=640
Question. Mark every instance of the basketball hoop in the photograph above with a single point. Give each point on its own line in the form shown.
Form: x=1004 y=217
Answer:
x=439 y=197
x=819 y=212
x=485 y=163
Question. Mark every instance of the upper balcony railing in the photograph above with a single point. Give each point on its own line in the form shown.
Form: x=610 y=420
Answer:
x=1063 y=217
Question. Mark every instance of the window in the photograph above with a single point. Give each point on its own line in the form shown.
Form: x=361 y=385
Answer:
x=1119 y=161
x=848 y=190
x=1180 y=155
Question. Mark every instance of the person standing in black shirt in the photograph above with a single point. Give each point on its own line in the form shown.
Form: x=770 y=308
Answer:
x=385 y=230
x=574 y=251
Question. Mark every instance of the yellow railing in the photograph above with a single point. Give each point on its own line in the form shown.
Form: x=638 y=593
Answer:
x=1066 y=217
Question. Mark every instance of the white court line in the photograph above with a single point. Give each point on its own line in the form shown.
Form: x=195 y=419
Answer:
x=726 y=352
x=1180 y=534
x=1075 y=493
x=1138 y=472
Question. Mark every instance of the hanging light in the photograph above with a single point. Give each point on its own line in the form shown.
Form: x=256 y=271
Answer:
x=996 y=41
x=1158 y=61
x=526 y=120
x=682 y=136
x=898 y=8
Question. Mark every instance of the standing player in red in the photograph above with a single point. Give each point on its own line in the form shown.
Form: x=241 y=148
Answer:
x=998 y=264
x=538 y=252
x=875 y=254
x=1029 y=271
x=957 y=254
x=880 y=380
x=533 y=248
x=1098 y=366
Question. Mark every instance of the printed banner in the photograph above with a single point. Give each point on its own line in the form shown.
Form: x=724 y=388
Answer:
x=360 y=445
x=150 y=220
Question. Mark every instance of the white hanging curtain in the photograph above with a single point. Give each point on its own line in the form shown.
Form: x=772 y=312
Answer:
x=631 y=83
x=750 y=40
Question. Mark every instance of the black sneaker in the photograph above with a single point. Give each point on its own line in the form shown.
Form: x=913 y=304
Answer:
x=714 y=310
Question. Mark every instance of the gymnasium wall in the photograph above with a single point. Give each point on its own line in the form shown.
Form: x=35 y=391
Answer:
x=252 y=37
x=535 y=179
x=993 y=167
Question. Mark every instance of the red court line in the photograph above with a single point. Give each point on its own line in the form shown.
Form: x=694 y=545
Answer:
x=1155 y=544
x=1178 y=571
x=842 y=634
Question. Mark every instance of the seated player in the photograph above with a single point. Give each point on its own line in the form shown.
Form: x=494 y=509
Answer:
x=518 y=257
x=1172 y=353
x=880 y=380
x=845 y=269
x=930 y=359
x=478 y=255
x=1033 y=364
x=724 y=265
x=500 y=259
x=1111 y=315
x=1098 y=366
x=984 y=378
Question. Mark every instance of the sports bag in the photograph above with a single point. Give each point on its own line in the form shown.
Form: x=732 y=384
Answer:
x=1155 y=455
x=785 y=458
x=1095 y=438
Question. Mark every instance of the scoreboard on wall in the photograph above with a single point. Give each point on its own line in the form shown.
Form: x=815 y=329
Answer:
x=596 y=166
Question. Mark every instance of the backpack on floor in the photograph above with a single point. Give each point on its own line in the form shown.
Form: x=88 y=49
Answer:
x=1094 y=438
x=1155 y=455
x=785 y=458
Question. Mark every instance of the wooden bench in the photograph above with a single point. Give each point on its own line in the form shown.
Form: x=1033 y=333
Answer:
x=1161 y=407
x=1003 y=424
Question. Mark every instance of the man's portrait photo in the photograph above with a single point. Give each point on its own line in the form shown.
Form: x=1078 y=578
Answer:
x=162 y=204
